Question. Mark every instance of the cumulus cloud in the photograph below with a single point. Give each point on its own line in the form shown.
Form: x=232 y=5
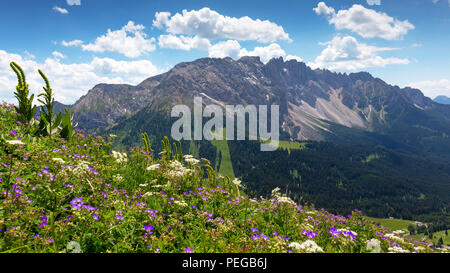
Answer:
x=72 y=43
x=374 y=2
x=366 y=22
x=432 y=89
x=70 y=81
x=265 y=53
x=183 y=42
x=232 y=48
x=60 y=10
x=132 y=46
x=229 y=48
x=347 y=54
x=209 y=24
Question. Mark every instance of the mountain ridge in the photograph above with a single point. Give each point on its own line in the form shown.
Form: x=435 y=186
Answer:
x=306 y=96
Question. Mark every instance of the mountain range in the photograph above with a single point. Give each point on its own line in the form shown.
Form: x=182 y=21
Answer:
x=442 y=99
x=314 y=104
x=397 y=134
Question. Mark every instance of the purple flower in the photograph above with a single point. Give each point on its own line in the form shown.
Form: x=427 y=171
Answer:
x=149 y=228
x=309 y=234
x=13 y=132
x=254 y=229
x=89 y=208
x=95 y=216
x=188 y=250
x=119 y=216
x=333 y=231
x=77 y=203
x=43 y=220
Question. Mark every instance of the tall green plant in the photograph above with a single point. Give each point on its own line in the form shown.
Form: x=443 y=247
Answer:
x=146 y=142
x=68 y=129
x=48 y=123
x=26 y=110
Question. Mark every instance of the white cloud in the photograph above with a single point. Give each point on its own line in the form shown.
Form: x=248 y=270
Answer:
x=347 y=54
x=433 y=89
x=207 y=23
x=229 y=48
x=366 y=22
x=72 y=43
x=374 y=2
x=58 y=55
x=183 y=42
x=60 y=10
x=119 y=41
x=265 y=53
x=292 y=57
x=74 y=2
x=322 y=8
x=70 y=81
x=161 y=19
x=28 y=55
x=232 y=48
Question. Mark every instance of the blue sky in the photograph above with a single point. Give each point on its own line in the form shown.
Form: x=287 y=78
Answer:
x=79 y=43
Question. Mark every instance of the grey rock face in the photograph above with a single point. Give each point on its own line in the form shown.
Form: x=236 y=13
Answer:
x=308 y=99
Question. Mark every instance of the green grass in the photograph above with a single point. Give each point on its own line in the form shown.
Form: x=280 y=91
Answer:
x=292 y=145
x=289 y=145
x=57 y=193
x=436 y=236
x=226 y=166
x=394 y=224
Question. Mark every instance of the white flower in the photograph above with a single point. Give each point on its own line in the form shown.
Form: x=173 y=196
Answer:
x=15 y=142
x=393 y=237
x=346 y=230
x=177 y=171
x=285 y=199
x=120 y=157
x=143 y=185
x=397 y=249
x=374 y=245
x=191 y=160
x=118 y=177
x=148 y=194
x=307 y=246
x=180 y=203
x=59 y=160
x=237 y=182
x=419 y=248
x=153 y=167
x=276 y=191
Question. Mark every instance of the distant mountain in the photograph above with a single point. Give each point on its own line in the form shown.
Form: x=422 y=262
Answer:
x=442 y=100
x=57 y=107
x=314 y=104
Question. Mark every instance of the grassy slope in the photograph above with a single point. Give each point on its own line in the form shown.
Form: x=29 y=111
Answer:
x=226 y=167
x=55 y=192
x=399 y=224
